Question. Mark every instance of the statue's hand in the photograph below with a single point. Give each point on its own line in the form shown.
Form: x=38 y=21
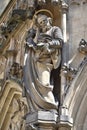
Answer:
x=44 y=47
x=55 y=44
x=41 y=44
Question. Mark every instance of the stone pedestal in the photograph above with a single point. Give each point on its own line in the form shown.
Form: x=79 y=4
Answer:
x=41 y=120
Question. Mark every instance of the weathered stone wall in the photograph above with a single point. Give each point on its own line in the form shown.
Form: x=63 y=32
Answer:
x=77 y=24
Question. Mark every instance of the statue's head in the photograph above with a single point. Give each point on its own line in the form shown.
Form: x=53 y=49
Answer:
x=44 y=20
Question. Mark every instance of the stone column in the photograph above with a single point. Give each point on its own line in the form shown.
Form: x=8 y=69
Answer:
x=65 y=122
x=41 y=120
x=64 y=7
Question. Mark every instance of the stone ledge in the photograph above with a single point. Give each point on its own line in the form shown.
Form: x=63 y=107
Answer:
x=45 y=117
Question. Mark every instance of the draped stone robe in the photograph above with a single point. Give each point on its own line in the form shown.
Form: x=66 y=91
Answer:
x=38 y=65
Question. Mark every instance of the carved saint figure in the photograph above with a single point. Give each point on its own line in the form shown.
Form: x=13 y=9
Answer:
x=42 y=56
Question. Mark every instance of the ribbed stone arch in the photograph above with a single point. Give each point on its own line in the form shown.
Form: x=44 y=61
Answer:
x=11 y=91
x=81 y=114
x=85 y=122
x=76 y=99
x=9 y=111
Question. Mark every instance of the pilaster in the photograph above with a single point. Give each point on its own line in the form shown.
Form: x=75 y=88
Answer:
x=42 y=120
x=65 y=122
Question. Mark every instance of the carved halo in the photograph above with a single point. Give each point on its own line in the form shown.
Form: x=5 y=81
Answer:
x=43 y=11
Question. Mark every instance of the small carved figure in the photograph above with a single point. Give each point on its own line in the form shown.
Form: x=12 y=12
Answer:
x=83 y=46
x=16 y=71
x=68 y=72
x=43 y=55
x=17 y=122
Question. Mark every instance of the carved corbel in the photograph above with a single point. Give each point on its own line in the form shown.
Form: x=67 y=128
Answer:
x=68 y=72
x=64 y=6
x=83 y=46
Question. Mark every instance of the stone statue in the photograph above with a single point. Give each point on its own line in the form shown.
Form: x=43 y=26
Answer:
x=43 y=54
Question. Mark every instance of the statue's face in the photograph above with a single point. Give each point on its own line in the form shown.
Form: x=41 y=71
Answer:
x=44 y=23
